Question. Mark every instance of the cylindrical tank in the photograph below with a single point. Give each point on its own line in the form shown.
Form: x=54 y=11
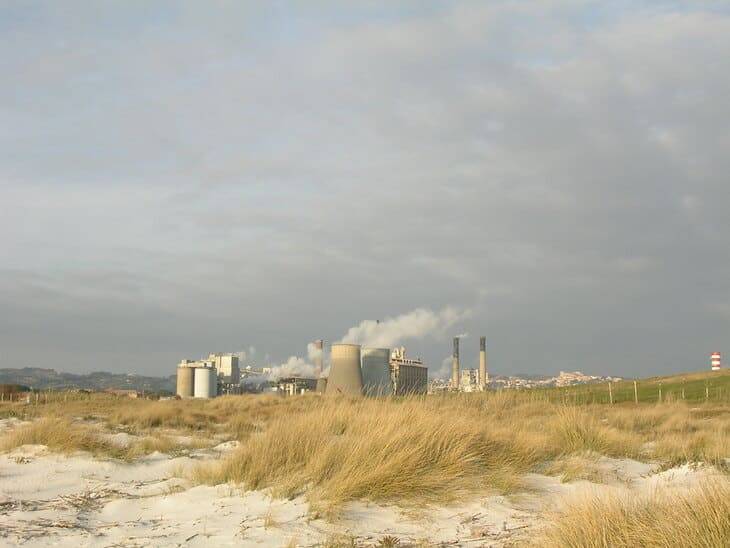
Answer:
x=185 y=381
x=321 y=385
x=345 y=373
x=376 y=372
x=206 y=382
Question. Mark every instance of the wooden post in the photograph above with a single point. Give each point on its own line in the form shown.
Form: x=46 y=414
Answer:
x=660 y=392
x=707 y=392
x=610 y=392
x=682 y=388
x=636 y=393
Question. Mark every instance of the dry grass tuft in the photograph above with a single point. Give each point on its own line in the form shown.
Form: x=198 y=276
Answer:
x=696 y=518
x=58 y=435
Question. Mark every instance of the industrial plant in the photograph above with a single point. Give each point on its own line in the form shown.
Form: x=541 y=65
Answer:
x=353 y=370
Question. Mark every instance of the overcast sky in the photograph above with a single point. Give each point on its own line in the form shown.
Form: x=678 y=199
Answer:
x=178 y=178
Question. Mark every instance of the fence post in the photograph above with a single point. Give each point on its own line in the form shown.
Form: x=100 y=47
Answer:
x=682 y=388
x=660 y=392
x=707 y=391
x=636 y=393
x=610 y=392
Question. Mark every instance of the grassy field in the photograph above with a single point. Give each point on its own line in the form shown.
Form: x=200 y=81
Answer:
x=709 y=386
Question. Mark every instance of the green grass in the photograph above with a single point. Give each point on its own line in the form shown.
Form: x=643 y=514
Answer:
x=712 y=386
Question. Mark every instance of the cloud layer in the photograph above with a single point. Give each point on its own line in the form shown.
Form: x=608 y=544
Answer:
x=198 y=177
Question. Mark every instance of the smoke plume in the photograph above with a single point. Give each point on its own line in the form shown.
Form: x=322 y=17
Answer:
x=417 y=324
x=298 y=367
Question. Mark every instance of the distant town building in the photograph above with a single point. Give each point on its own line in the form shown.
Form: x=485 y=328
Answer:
x=123 y=393
x=469 y=380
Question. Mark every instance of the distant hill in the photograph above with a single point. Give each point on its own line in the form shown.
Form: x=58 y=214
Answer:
x=43 y=379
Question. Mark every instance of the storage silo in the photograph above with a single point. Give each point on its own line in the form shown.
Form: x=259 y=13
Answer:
x=185 y=381
x=345 y=373
x=206 y=382
x=376 y=372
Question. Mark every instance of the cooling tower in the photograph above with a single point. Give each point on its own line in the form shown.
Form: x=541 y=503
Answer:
x=455 y=365
x=483 y=374
x=376 y=372
x=345 y=373
x=185 y=377
x=321 y=385
x=206 y=382
x=318 y=359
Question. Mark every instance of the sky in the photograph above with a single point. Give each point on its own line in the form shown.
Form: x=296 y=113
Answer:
x=178 y=178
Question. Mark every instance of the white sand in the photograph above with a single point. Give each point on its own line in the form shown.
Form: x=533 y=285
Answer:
x=75 y=501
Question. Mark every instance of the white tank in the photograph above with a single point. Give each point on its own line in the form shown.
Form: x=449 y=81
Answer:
x=206 y=382
x=376 y=372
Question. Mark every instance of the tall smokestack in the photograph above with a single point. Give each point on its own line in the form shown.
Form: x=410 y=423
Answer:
x=319 y=345
x=455 y=365
x=483 y=375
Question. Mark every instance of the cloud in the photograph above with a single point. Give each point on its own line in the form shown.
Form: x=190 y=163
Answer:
x=173 y=181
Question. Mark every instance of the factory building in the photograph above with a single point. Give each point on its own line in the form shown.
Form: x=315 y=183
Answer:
x=296 y=385
x=409 y=375
x=227 y=367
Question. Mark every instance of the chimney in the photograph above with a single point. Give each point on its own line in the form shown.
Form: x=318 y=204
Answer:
x=483 y=374
x=319 y=345
x=455 y=365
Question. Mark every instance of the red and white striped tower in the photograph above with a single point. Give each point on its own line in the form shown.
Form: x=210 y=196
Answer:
x=715 y=360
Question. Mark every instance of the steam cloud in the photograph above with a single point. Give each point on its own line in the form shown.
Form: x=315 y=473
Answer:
x=298 y=367
x=417 y=324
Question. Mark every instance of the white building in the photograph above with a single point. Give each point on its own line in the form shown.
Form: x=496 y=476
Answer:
x=227 y=367
x=469 y=380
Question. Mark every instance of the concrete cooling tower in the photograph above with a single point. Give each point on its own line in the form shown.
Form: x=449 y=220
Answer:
x=345 y=373
x=376 y=372
x=206 y=382
x=185 y=376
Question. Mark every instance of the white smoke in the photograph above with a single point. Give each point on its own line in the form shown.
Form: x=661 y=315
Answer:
x=444 y=371
x=417 y=324
x=298 y=367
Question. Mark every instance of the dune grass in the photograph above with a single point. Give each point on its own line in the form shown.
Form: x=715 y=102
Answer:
x=440 y=449
x=699 y=517
x=61 y=435
x=435 y=448
x=58 y=435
